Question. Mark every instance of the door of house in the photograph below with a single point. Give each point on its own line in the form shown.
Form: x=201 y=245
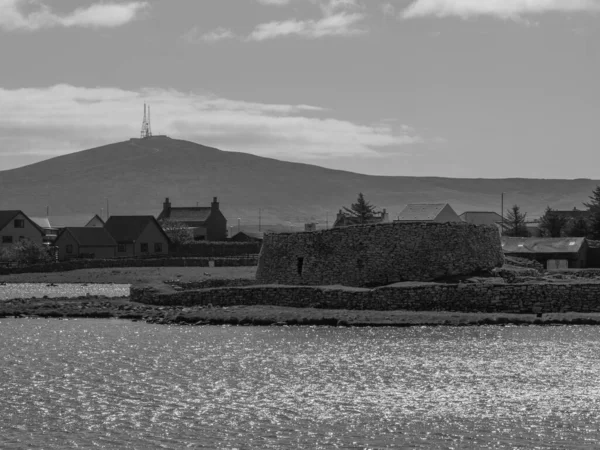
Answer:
x=557 y=264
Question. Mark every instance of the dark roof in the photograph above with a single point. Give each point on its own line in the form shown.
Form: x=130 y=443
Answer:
x=481 y=217
x=129 y=228
x=421 y=211
x=541 y=245
x=191 y=214
x=90 y=237
x=8 y=215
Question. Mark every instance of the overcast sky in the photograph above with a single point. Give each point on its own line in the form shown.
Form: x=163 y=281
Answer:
x=457 y=88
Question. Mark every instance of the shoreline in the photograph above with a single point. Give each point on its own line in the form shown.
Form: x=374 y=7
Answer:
x=97 y=307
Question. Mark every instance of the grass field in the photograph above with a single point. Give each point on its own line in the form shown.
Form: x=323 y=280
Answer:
x=130 y=275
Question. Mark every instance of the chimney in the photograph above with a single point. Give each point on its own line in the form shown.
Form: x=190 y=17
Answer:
x=215 y=204
x=166 y=206
x=385 y=218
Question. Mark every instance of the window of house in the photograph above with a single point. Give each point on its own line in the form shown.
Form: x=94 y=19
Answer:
x=144 y=247
x=158 y=247
x=7 y=239
x=121 y=248
x=19 y=223
x=69 y=248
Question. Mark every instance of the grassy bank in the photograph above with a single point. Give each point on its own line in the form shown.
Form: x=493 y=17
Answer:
x=98 y=307
x=130 y=275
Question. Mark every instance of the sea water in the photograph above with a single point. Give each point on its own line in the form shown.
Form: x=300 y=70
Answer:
x=119 y=384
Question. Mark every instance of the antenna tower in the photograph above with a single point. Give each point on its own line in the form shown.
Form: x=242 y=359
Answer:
x=146 y=129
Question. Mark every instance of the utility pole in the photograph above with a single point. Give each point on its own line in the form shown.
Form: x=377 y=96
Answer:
x=259 y=219
x=502 y=213
x=107 y=211
x=48 y=211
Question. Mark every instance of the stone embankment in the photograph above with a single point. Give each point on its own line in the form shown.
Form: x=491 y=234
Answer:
x=494 y=296
x=375 y=255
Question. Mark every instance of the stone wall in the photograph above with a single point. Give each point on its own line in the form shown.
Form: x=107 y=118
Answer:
x=76 y=264
x=381 y=254
x=463 y=297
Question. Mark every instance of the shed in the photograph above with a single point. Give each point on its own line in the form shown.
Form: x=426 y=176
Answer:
x=553 y=253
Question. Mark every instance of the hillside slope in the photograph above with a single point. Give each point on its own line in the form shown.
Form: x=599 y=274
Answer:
x=137 y=175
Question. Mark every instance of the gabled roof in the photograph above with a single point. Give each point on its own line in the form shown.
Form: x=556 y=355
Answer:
x=96 y=216
x=42 y=222
x=542 y=245
x=184 y=214
x=90 y=237
x=421 y=211
x=129 y=228
x=481 y=217
x=8 y=215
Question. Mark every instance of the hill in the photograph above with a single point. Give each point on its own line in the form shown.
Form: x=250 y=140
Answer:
x=138 y=174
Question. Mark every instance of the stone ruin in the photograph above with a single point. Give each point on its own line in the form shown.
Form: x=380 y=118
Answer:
x=376 y=255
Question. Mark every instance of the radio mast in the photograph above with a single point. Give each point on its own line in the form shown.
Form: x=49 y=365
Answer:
x=146 y=128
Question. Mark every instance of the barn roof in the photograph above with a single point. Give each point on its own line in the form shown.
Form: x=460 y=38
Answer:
x=542 y=245
x=421 y=211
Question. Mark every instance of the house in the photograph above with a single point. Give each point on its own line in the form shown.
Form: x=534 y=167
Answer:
x=346 y=220
x=15 y=226
x=85 y=242
x=138 y=235
x=247 y=236
x=428 y=212
x=206 y=222
x=481 y=217
x=553 y=253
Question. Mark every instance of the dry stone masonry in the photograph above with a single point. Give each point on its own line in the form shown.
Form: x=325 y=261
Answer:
x=379 y=254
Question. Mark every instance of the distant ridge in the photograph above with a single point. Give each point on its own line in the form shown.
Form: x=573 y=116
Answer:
x=136 y=175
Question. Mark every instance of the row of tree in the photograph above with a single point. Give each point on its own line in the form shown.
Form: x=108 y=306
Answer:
x=554 y=224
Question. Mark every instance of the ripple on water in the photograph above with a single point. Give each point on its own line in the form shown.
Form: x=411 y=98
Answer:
x=131 y=385
x=10 y=291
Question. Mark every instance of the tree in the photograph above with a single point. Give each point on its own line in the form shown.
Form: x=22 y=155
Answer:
x=578 y=228
x=178 y=232
x=552 y=224
x=362 y=209
x=594 y=207
x=515 y=223
x=26 y=252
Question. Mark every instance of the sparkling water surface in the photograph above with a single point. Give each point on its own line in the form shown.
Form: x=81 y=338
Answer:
x=118 y=384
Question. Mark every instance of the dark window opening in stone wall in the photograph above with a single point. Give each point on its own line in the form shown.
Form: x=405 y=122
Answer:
x=360 y=264
x=300 y=265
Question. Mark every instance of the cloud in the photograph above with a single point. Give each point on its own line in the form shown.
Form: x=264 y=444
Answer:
x=339 y=18
x=63 y=118
x=335 y=25
x=505 y=9
x=218 y=34
x=274 y=2
x=97 y=15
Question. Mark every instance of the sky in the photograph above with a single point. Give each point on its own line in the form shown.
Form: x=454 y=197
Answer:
x=451 y=88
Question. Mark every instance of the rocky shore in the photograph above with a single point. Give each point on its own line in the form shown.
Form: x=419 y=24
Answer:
x=264 y=315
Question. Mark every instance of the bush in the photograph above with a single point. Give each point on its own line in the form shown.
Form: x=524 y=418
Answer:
x=26 y=253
